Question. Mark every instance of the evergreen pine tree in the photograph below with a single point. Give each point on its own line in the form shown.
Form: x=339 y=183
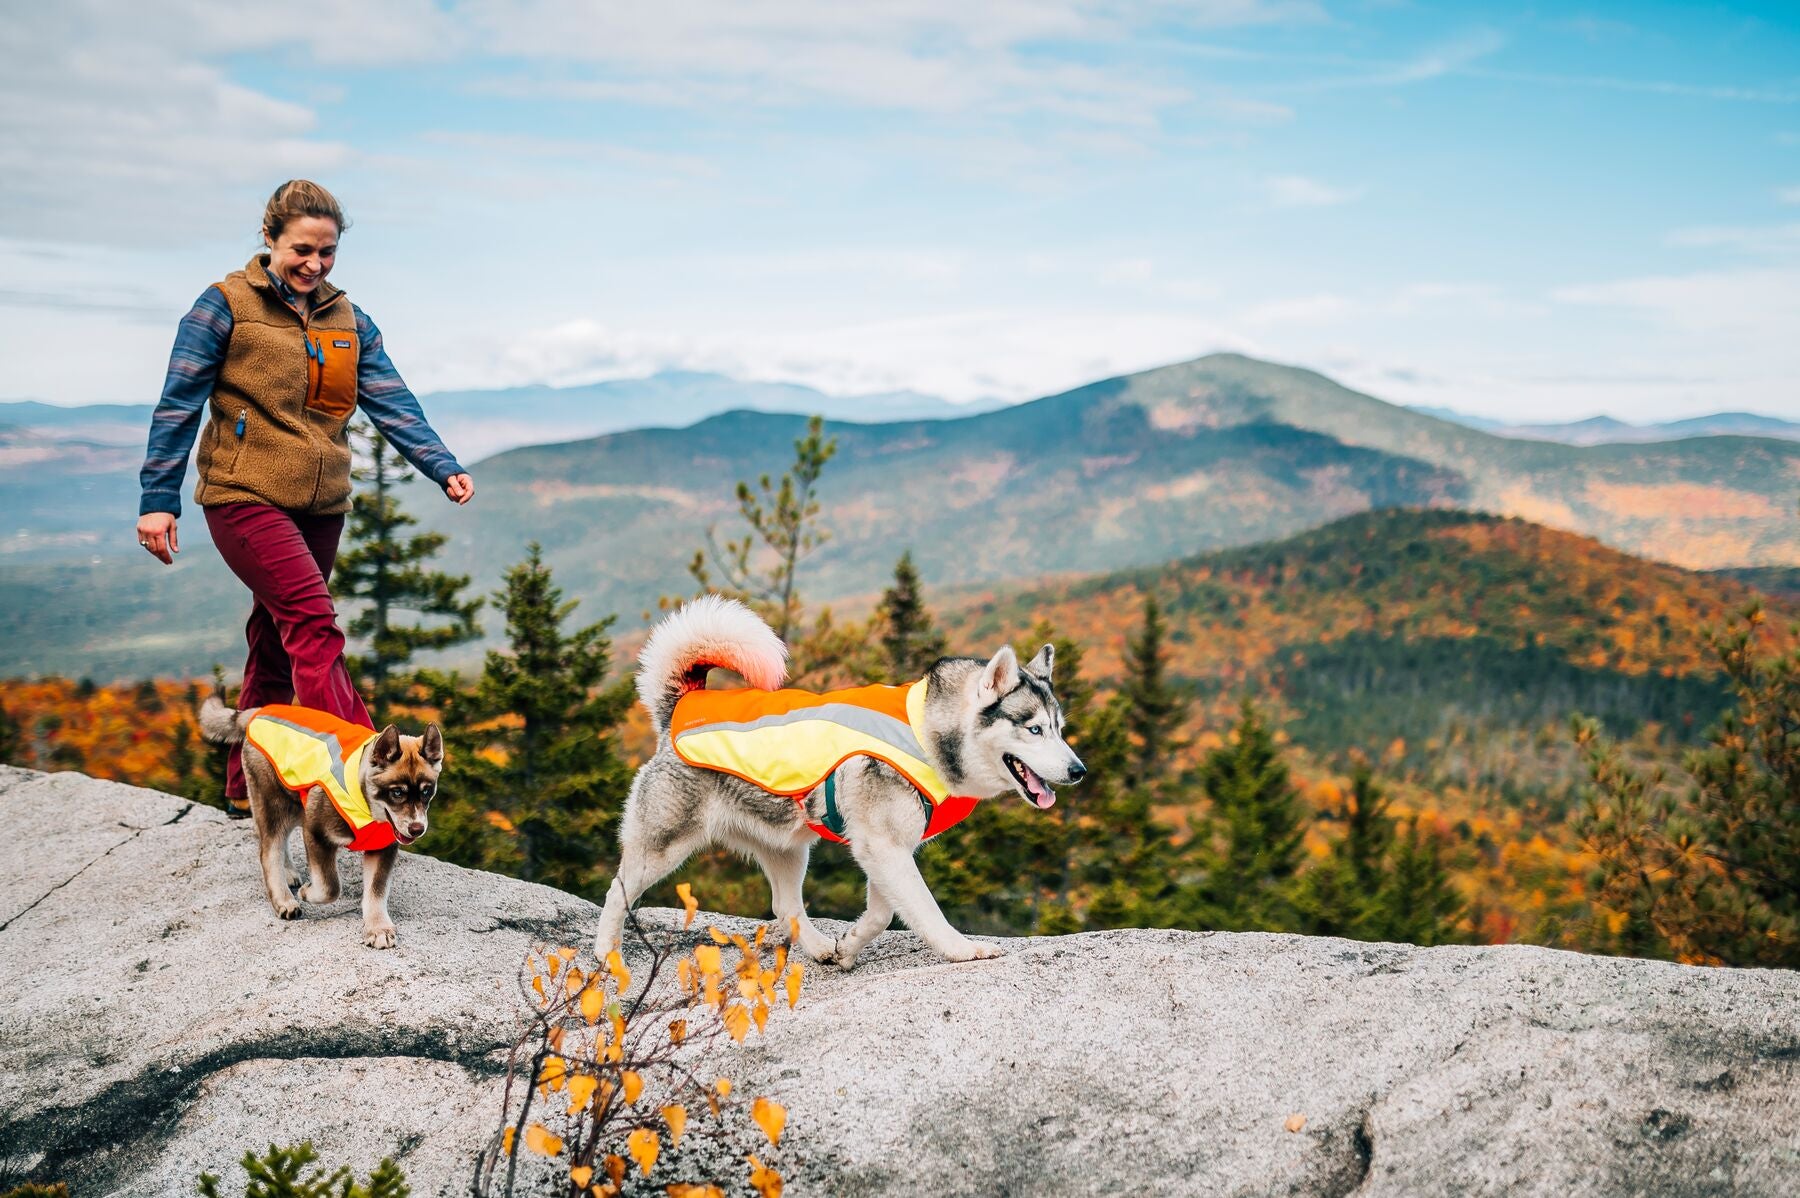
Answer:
x=1706 y=874
x=1154 y=708
x=1251 y=838
x=535 y=773
x=12 y=739
x=908 y=640
x=1418 y=904
x=385 y=571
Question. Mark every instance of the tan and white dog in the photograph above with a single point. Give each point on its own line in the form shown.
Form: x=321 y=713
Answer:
x=344 y=785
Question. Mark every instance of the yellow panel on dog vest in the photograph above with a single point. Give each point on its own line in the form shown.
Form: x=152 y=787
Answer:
x=311 y=748
x=788 y=742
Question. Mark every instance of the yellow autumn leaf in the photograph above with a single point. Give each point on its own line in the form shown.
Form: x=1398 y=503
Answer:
x=760 y=1013
x=633 y=1083
x=771 y=1116
x=567 y=953
x=781 y=954
x=737 y=1021
x=675 y=1115
x=644 y=1146
x=573 y=980
x=718 y=936
x=685 y=893
x=581 y=1175
x=615 y=1169
x=555 y=964
x=615 y=965
x=685 y=973
x=554 y=1072
x=500 y=821
x=581 y=1090
x=793 y=928
x=537 y=983
x=554 y=1038
x=677 y=1030
x=592 y=1003
x=1295 y=1122
x=707 y=958
x=541 y=1141
x=749 y=988
x=793 y=984
x=762 y=932
x=723 y=1086
x=682 y=1189
x=506 y=1141
x=764 y=1180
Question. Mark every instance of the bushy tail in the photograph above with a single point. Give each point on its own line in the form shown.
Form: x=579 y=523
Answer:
x=220 y=724
x=709 y=631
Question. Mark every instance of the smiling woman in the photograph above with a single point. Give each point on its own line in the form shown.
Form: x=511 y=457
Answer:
x=281 y=359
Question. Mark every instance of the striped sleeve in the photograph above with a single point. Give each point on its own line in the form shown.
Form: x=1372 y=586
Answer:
x=200 y=344
x=395 y=410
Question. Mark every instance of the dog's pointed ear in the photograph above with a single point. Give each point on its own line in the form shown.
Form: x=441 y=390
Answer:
x=386 y=749
x=1000 y=674
x=431 y=746
x=1042 y=664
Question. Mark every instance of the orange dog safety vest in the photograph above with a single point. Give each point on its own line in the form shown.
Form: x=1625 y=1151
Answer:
x=311 y=748
x=790 y=742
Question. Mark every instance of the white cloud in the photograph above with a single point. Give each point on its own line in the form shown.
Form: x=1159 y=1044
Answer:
x=106 y=136
x=959 y=355
x=1764 y=241
x=1789 y=195
x=1298 y=191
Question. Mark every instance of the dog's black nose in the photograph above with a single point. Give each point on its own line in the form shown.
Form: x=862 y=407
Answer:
x=1077 y=772
x=417 y=830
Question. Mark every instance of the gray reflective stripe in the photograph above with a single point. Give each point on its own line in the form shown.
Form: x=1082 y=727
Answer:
x=884 y=728
x=328 y=739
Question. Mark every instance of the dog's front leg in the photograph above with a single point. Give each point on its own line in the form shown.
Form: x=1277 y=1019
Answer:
x=378 y=869
x=873 y=922
x=892 y=871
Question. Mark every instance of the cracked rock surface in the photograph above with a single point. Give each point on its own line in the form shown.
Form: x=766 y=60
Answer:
x=156 y=1020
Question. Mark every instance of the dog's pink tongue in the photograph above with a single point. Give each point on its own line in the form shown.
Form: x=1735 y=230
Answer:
x=1041 y=794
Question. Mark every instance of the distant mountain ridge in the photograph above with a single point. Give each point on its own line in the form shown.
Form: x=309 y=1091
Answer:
x=1605 y=430
x=1125 y=472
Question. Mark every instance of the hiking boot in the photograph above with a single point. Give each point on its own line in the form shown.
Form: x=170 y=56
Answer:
x=237 y=808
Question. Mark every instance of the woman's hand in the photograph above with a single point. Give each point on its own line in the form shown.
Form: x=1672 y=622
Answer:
x=156 y=532
x=460 y=488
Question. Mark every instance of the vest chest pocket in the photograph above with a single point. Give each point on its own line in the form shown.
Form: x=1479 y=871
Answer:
x=331 y=361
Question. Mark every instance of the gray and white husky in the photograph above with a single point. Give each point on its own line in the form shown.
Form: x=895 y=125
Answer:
x=988 y=727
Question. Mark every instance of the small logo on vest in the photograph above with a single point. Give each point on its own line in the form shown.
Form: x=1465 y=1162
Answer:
x=340 y=345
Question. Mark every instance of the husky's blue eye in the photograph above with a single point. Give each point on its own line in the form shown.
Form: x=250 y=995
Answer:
x=1036 y=729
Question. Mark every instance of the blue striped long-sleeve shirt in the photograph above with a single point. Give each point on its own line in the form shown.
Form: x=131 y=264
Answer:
x=200 y=345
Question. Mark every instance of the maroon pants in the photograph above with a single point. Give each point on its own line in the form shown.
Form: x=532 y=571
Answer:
x=296 y=647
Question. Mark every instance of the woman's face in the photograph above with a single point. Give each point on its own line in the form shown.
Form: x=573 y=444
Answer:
x=304 y=253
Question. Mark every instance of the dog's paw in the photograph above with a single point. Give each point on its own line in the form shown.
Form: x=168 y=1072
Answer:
x=294 y=878
x=974 y=950
x=379 y=937
x=318 y=897
x=287 y=909
x=841 y=955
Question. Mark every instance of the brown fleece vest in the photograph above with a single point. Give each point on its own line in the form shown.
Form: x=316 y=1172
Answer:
x=282 y=401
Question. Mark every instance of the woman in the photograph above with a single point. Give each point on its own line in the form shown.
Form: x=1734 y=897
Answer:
x=282 y=358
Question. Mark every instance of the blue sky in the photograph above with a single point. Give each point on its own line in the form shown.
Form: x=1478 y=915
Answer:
x=1536 y=213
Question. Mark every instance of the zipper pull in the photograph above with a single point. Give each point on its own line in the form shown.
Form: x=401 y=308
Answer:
x=240 y=422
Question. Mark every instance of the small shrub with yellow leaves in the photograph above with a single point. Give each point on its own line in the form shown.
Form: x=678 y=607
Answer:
x=603 y=1085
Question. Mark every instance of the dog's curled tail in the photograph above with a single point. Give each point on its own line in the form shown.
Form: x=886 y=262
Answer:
x=220 y=724
x=709 y=631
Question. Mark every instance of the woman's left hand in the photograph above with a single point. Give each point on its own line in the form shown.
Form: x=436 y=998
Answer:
x=460 y=488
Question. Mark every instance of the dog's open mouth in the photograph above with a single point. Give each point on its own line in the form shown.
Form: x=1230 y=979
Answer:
x=1035 y=788
x=402 y=837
